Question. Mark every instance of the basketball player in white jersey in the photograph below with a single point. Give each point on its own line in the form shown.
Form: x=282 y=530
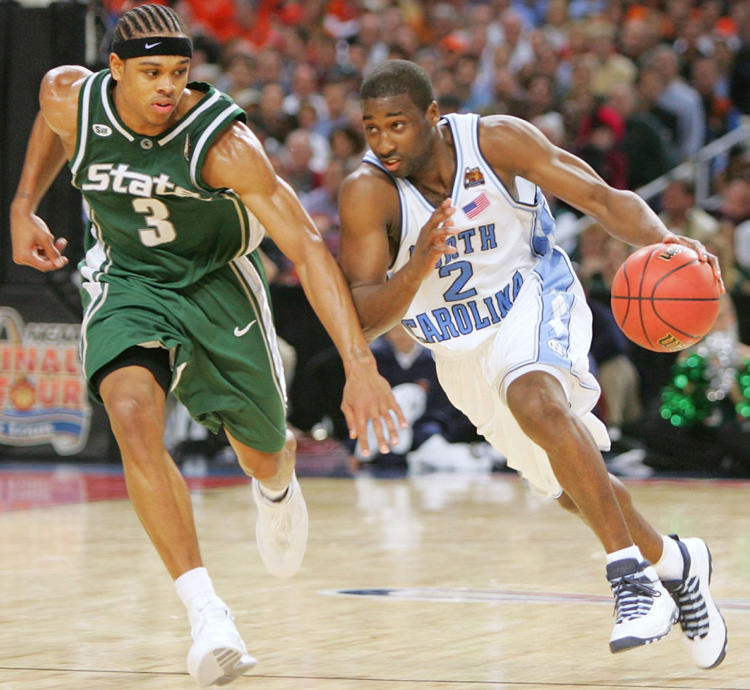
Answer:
x=445 y=229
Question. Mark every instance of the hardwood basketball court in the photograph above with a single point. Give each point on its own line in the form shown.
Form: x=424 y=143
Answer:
x=440 y=581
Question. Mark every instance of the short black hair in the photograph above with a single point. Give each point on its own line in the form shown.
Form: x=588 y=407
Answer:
x=148 y=20
x=394 y=77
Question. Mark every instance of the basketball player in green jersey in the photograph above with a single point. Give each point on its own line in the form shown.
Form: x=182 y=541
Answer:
x=179 y=192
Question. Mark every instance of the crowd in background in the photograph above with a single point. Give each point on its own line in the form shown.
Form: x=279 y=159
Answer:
x=633 y=88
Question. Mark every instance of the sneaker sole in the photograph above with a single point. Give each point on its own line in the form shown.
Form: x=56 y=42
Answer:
x=222 y=666
x=710 y=600
x=626 y=643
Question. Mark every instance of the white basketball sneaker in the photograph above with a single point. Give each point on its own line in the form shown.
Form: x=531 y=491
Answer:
x=218 y=654
x=700 y=619
x=645 y=612
x=281 y=529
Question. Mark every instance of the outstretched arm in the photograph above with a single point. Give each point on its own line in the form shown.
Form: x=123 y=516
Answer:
x=623 y=213
x=237 y=161
x=52 y=136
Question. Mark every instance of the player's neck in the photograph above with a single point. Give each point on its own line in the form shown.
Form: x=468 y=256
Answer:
x=435 y=180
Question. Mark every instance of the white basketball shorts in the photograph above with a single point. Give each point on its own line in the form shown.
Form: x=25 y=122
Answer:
x=548 y=329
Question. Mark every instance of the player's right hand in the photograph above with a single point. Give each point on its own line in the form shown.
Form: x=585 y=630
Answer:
x=431 y=245
x=34 y=245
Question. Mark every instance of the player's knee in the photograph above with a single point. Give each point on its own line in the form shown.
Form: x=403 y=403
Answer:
x=133 y=414
x=260 y=464
x=537 y=411
x=623 y=495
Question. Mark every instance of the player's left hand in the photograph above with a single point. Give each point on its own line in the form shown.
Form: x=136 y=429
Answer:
x=368 y=398
x=703 y=255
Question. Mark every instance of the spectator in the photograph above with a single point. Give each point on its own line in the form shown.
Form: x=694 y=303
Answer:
x=269 y=121
x=651 y=86
x=296 y=159
x=347 y=144
x=410 y=369
x=720 y=114
x=681 y=214
x=304 y=89
x=610 y=67
x=682 y=100
x=646 y=144
x=602 y=133
x=323 y=199
x=307 y=119
x=735 y=207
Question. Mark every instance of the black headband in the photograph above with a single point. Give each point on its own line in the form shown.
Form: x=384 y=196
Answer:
x=153 y=45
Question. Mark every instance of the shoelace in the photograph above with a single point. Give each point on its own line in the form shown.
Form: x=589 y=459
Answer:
x=634 y=596
x=692 y=605
x=211 y=614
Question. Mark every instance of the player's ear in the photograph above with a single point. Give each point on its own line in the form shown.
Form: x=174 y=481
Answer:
x=116 y=66
x=433 y=113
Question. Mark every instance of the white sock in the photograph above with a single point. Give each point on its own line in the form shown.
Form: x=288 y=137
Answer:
x=629 y=552
x=671 y=563
x=273 y=495
x=195 y=589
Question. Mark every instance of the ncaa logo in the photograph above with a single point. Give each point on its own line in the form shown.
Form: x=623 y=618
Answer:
x=101 y=130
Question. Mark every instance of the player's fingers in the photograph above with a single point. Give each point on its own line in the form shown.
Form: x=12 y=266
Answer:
x=396 y=408
x=51 y=248
x=377 y=427
x=715 y=266
x=391 y=429
x=349 y=417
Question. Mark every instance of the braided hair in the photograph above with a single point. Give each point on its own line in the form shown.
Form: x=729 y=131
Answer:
x=148 y=20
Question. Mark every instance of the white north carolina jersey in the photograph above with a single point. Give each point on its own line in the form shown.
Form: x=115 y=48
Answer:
x=499 y=241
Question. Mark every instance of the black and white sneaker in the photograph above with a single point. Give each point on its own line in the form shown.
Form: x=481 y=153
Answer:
x=643 y=608
x=700 y=619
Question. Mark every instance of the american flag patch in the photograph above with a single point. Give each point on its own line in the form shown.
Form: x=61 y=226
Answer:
x=474 y=208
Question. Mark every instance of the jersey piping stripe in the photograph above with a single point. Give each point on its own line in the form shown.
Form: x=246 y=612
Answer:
x=203 y=140
x=459 y=154
x=83 y=128
x=490 y=171
x=108 y=109
x=242 y=218
x=96 y=304
x=253 y=286
x=98 y=258
x=208 y=103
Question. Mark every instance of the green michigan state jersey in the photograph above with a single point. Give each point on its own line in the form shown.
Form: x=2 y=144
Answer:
x=151 y=215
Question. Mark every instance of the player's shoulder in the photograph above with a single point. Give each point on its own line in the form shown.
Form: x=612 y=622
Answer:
x=505 y=126
x=505 y=138
x=368 y=195
x=366 y=178
x=64 y=81
x=58 y=97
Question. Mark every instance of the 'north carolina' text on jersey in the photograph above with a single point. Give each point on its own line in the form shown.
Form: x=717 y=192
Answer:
x=500 y=240
x=151 y=214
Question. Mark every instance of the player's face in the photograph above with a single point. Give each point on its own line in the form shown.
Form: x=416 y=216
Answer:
x=399 y=133
x=149 y=89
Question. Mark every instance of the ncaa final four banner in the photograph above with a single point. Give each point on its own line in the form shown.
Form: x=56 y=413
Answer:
x=43 y=396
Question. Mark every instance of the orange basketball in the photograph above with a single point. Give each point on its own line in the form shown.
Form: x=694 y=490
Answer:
x=664 y=298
